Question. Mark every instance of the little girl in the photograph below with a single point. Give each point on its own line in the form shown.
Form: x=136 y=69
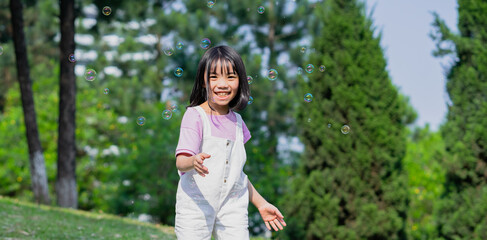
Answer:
x=213 y=191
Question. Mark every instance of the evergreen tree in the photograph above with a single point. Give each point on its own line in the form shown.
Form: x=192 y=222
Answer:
x=351 y=183
x=463 y=210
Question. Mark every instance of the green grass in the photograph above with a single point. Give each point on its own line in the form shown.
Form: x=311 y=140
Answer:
x=24 y=220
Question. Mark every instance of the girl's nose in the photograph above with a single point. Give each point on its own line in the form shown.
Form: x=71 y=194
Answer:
x=222 y=83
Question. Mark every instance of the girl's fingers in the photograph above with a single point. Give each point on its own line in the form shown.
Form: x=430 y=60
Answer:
x=282 y=221
x=278 y=224
x=202 y=170
x=273 y=226
x=267 y=225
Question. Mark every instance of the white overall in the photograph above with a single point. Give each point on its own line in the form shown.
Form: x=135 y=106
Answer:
x=217 y=203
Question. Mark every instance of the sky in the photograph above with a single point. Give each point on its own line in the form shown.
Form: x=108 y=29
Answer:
x=405 y=26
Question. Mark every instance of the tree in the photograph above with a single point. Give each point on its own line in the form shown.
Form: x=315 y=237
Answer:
x=423 y=162
x=36 y=157
x=351 y=182
x=462 y=211
x=66 y=190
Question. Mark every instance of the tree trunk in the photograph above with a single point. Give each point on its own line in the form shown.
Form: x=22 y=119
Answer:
x=66 y=190
x=36 y=158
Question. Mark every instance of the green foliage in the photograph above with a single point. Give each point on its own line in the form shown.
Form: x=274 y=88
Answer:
x=462 y=210
x=350 y=186
x=423 y=162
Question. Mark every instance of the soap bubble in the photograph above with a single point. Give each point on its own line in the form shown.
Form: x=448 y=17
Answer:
x=345 y=129
x=107 y=10
x=174 y=108
x=300 y=70
x=308 y=97
x=179 y=45
x=205 y=43
x=310 y=68
x=90 y=74
x=168 y=50
x=166 y=114
x=210 y=4
x=329 y=125
x=71 y=58
x=178 y=72
x=251 y=100
x=322 y=68
x=106 y=91
x=140 y=120
x=250 y=79
x=272 y=74
x=261 y=10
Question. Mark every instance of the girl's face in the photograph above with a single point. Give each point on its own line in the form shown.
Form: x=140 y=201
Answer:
x=223 y=86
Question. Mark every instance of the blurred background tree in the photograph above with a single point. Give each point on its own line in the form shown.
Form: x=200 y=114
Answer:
x=423 y=162
x=352 y=183
x=462 y=211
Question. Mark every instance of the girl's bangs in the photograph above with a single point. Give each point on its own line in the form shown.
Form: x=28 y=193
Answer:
x=226 y=65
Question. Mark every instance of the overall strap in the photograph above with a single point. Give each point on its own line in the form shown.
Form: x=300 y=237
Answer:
x=206 y=122
x=239 y=129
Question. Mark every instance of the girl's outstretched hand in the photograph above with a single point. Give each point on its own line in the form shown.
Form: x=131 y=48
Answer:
x=198 y=163
x=272 y=217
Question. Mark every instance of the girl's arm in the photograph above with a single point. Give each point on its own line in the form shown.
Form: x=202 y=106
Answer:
x=254 y=196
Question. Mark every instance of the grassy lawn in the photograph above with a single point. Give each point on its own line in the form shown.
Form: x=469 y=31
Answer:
x=23 y=220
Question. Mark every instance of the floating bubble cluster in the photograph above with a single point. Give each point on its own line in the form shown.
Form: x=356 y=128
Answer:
x=140 y=120
x=322 y=68
x=106 y=91
x=178 y=72
x=308 y=97
x=180 y=45
x=71 y=58
x=168 y=50
x=272 y=74
x=261 y=10
x=205 y=43
x=90 y=74
x=310 y=68
x=345 y=129
x=210 y=4
x=250 y=79
x=251 y=100
x=166 y=114
x=107 y=10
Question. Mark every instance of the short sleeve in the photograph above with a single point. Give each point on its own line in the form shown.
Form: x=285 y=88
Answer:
x=246 y=132
x=191 y=133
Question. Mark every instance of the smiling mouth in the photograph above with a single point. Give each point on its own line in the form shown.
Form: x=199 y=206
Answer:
x=222 y=94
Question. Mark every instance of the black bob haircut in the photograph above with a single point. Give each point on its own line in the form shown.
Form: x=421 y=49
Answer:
x=227 y=56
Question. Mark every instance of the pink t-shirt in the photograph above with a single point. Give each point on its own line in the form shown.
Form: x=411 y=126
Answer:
x=192 y=130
